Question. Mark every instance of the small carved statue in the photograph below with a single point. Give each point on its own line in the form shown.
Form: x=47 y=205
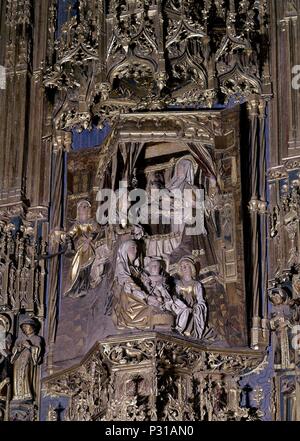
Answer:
x=83 y=233
x=81 y=236
x=160 y=288
x=134 y=307
x=27 y=354
x=191 y=319
x=6 y=341
x=157 y=281
x=281 y=323
x=183 y=179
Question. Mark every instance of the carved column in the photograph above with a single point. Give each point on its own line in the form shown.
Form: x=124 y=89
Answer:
x=61 y=145
x=40 y=123
x=263 y=215
x=257 y=207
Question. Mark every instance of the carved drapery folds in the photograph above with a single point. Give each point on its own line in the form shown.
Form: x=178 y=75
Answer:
x=155 y=54
x=155 y=378
x=210 y=140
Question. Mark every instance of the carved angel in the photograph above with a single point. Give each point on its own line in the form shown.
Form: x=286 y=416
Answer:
x=81 y=241
x=281 y=323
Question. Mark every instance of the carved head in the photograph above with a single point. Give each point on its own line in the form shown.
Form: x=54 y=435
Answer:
x=29 y=326
x=278 y=296
x=185 y=169
x=83 y=211
x=187 y=268
x=156 y=181
x=28 y=330
x=129 y=250
x=132 y=251
x=154 y=266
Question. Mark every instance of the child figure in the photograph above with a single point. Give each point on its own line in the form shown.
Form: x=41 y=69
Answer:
x=157 y=286
x=155 y=281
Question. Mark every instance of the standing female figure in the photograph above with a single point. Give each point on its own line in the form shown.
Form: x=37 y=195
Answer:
x=191 y=320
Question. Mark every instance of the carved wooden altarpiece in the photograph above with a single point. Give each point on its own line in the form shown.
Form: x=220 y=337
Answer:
x=107 y=91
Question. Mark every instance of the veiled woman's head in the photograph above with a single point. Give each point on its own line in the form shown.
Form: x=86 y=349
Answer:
x=129 y=249
x=183 y=167
x=184 y=173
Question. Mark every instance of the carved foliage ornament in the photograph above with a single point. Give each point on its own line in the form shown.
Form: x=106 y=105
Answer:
x=154 y=378
x=145 y=55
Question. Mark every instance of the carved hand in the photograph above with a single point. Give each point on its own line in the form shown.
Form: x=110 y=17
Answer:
x=152 y=301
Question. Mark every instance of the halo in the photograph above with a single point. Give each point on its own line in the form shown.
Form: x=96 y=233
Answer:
x=5 y=319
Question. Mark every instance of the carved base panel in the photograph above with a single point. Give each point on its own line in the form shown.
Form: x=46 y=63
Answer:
x=21 y=411
x=154 y=377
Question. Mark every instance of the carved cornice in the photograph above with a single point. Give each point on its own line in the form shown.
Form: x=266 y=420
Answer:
x=169 y=352
x=193 y=126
